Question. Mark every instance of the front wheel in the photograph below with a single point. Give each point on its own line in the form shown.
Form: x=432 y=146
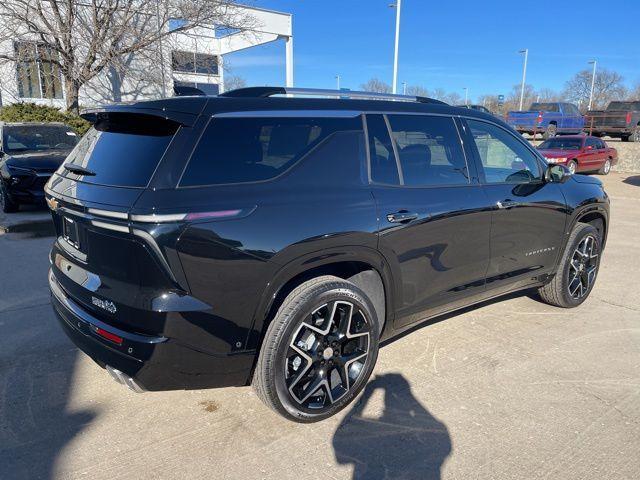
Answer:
x=550 y=132
x=572 y=166
x=319 y=350
x=577 y=271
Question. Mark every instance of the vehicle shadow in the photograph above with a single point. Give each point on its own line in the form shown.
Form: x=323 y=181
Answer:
x=404 y=442
x=35 y=422
x=633 y=180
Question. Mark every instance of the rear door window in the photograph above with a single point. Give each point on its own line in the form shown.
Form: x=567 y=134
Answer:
x=122 y=150
x=252 y=149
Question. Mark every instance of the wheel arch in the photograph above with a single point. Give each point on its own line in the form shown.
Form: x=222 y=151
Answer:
x=595 y=217
x=365 y=267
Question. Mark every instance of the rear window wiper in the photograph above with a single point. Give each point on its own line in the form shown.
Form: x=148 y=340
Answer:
x=78 y=169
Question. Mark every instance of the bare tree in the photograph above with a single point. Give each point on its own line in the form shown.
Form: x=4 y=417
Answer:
x=376 y=85
x=608 y=86
x=417 y=91
x=81 y=39
x=231 y=82
x=634 y=94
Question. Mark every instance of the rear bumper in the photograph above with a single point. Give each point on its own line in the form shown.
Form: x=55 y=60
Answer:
x=152 y=363
x=614 y=131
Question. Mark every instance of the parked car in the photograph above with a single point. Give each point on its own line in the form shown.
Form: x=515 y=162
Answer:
x=549 y=119
x=580 y=153
x=480 y=108
x=619 y=120
x=29 y=154
x=252 y=238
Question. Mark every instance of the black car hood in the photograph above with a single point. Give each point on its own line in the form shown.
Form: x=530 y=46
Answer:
x=47 y=161
x=586 y=179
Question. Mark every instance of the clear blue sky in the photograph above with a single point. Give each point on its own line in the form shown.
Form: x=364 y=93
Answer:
x=449 y=44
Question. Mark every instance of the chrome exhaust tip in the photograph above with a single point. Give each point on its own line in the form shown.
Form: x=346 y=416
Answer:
x=123 y=379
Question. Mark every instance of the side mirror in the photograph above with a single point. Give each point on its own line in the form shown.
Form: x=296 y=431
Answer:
x=557 y=174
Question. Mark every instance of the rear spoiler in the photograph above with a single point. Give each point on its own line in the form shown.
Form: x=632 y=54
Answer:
x=181 y=110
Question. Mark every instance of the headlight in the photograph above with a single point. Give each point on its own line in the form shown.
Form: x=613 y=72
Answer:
x=557 y=160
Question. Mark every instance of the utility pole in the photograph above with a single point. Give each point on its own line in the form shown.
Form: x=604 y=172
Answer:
x=397 y=6
x=593 y=82
x=524 y=75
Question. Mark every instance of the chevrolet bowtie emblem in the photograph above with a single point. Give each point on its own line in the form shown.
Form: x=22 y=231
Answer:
x=53 y=203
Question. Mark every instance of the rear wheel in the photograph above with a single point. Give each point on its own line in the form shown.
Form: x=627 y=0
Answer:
x=6 y=204
x=635 y=135
x=551 y=131
x=319 y=350
x=577 y=271
x=606 y=167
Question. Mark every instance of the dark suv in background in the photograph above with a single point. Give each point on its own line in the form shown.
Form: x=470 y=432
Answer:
x=262 y=237
x=29 y=154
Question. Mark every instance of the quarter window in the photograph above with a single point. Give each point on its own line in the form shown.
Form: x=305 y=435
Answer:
x=240 y=150
x=504 y=158
x=429 y=150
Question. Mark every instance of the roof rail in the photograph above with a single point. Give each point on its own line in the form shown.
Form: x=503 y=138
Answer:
x=264 y=92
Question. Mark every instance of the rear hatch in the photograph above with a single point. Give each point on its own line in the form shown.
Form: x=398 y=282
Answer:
x=98 y=259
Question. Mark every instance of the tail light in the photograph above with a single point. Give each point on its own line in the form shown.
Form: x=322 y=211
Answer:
x=539 y=117
x=628 y=118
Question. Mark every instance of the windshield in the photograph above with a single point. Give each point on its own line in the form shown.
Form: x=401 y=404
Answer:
x=624 y=106
x=22 y=138
x=561 y=144
x=543 y=107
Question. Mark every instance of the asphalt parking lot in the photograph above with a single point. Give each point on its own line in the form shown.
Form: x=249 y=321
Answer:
x=511 y=389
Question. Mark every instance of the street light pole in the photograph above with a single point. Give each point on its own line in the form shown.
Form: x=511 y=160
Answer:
x=404 y=88
x=397 y=6
x=466 y=96
x=337 y=82
x=524 y=75
x=593 y=81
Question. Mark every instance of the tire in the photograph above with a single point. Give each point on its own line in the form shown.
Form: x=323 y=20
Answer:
x=577 y=271
x=550 y=132
x=6 y=204
x=572 y=166
x=635 y=136
x=301 y=348
x=606 y=167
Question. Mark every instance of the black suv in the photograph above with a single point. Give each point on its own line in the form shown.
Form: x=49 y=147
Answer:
x=29 y=154
x=267 y=238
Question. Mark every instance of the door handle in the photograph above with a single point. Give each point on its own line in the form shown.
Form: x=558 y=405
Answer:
x=504 y=204
x=402 y=216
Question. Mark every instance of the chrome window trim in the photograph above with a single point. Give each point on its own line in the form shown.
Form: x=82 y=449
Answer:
x=290 y=114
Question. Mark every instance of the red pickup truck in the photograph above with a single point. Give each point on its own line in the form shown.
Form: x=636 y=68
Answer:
x=580 y=153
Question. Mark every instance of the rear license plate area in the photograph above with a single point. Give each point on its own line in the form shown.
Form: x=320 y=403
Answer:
x=70 y=232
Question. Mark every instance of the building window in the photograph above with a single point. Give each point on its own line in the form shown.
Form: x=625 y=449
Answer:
x=206 y=88
x=190 y=62
x=38 y=74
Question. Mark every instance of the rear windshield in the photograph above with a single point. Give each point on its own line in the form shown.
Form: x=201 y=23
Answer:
x=543 y=107
x=624 y=106
x=122 y=150
x=239 y=150
x=561 y=144
x=24 y=138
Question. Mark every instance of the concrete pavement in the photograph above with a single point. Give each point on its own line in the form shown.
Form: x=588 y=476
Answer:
x=511 y=389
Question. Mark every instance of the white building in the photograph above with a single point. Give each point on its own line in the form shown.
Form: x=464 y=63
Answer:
x=192 y=58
